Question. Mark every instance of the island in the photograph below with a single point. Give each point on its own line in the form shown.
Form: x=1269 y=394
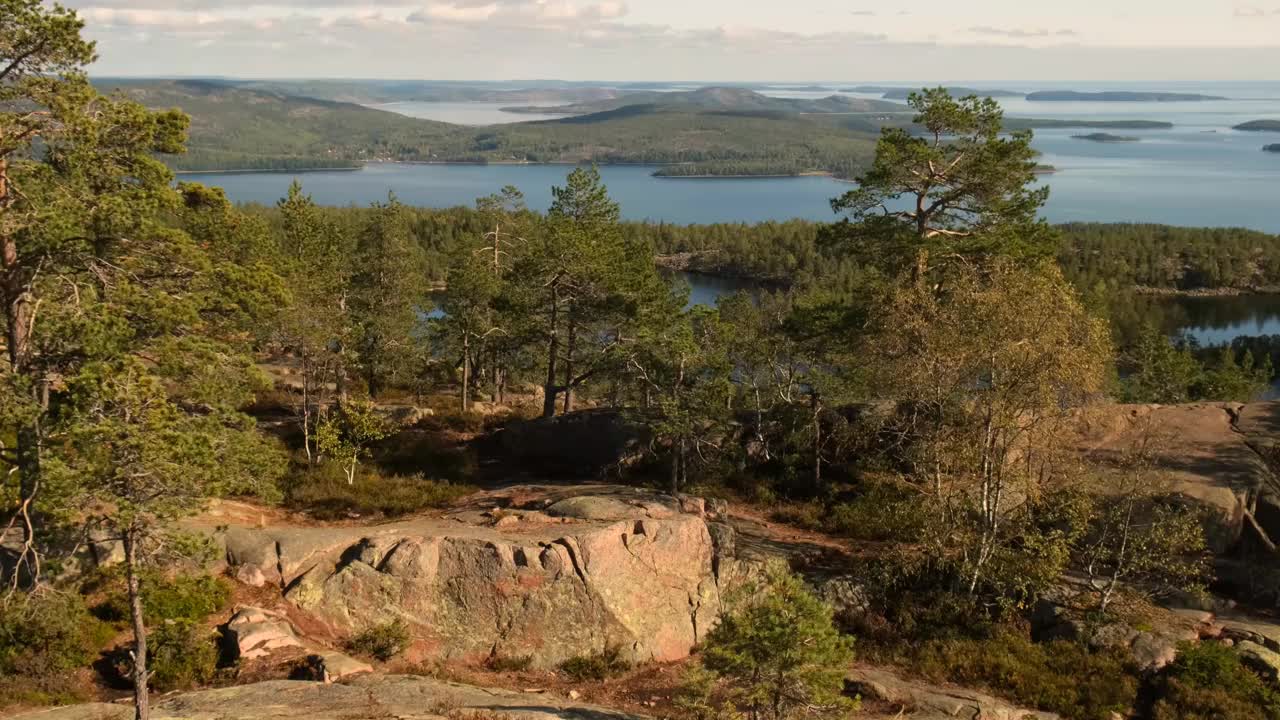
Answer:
x=1106 y=138
x=1271 y=148
x=1259 y=126
x=894 y=92
x=1117 y=96
x=1050 y=124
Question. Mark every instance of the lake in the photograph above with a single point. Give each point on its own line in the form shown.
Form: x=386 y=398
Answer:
x=1201 y=172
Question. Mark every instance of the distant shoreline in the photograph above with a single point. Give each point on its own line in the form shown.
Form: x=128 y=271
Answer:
x=254 y=171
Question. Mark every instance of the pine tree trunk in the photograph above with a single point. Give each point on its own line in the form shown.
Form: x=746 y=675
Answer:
x=141 y=700
x=466 y=373
x=568 y=365
x=553 y=351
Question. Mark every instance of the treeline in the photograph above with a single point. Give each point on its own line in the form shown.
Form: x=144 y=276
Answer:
x=216 y=161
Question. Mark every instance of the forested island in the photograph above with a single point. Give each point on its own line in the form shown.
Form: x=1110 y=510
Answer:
x=894 y=92
x=1106 y=138
x=1259 y=126
x=1117 y=96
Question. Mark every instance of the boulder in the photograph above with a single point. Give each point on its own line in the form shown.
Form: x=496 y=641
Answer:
x=1265 y=661
x=254 y=633
x=330 y=667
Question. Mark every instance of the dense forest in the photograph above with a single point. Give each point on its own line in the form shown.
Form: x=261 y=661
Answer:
x=911 y=387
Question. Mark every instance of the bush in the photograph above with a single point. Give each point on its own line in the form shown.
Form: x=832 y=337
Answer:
x=326 y=494
x=882 y=513
x=498 y=663
x=182 y=598
x=600 y=666
x=1060 y=677
x=778 y=652
x=44 y=640
x=381 y=642
x=1207 y=682
x=181 y=655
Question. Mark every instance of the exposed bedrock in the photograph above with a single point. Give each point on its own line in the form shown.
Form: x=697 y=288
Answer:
x=575 y=576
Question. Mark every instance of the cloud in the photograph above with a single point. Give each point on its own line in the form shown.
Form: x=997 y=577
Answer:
x=1020 y=33
x=1253 y=11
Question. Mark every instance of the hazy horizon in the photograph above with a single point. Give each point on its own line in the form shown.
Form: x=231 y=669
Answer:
x=734 y=41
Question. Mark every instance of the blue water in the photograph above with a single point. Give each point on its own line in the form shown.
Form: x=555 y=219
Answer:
x=642 y=196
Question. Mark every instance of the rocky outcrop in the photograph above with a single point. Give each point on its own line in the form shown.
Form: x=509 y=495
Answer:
x=364 y=698
x=1206 y=452
x=565 y=575
x=922 y=700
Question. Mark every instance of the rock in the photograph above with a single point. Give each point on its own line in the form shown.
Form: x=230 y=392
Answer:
x=615 y=568
x=330 y=667
x=1153 y=652
x=586 y=443
x=251 y=575
x=1205 y=455
x=366 y=697
x=1242 y=629
x=1261 y=659
x=593 y=507
x=405 y=415
x=254 y=633
x=1114 y=635
x=931 y=701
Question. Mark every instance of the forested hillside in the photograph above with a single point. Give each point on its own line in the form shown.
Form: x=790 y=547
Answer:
x=234 y=128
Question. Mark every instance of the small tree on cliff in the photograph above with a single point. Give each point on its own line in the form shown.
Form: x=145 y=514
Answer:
x=776 y=654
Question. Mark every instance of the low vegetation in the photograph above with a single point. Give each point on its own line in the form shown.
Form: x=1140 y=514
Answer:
x=607 y=663
x=382 y=642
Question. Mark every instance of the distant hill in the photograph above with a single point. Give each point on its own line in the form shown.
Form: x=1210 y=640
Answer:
x=1117 y=96
x=731 y=99
x=1259 y=126
x=238 y=128
x=234 y=127
x=893 y=92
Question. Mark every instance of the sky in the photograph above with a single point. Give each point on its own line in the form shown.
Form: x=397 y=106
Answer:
x=690 y=40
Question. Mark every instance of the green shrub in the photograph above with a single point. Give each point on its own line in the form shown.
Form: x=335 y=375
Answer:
x=44 y=640
x=381 y=642
x=1208 y=682
x=882 y=513
x=326 y=494
x=184 y=598
x=181 y=655
x=1061 y=677
x=600 y=666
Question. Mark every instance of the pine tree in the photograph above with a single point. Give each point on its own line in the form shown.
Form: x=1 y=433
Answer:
x=388 y=293
x=778 y=653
